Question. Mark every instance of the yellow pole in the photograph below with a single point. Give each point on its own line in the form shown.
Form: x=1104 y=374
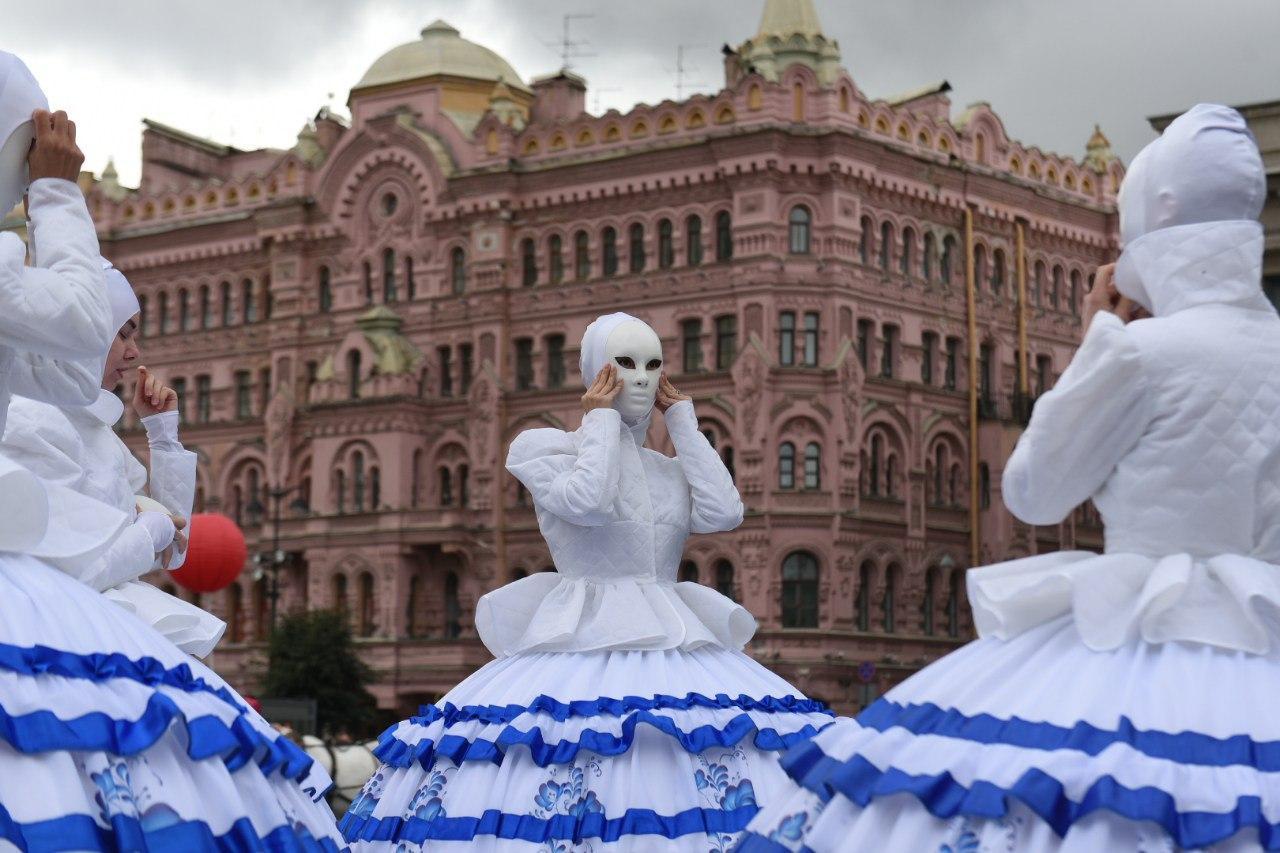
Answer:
x=1024 y=385
x=971 y=286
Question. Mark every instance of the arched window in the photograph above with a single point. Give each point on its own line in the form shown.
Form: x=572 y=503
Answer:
x=366 y=605
x=787 y=466
x=927 y=257
x=812 y=466
x=206 y=308
x=886 y=245
x=928 y=602
x=1075 y=293
x=666 y=245
x=688 y=572
x=953 y=484
x=389 y=275
x=249 y=305
x=862 y=603
x=555 y=258
x=452 y=607
x=357 y=480
x=184 y=311
x=693 y=241
x=458 y=270
x=415 y=479
x=326 y=290
x=724 y=579
x=609 y=244
x=939 y=472
x=984 y=485
x=353 y=374
x=1055 y=289
x=906 y=262
x=997 y=271
x=375 y=488
x=164 y=313
x=446 y=486
x=979 y=265
x=873 y=469
x=582 y=256
x=724 y=236
x=800 y=590
x=801 y=220
x=889 y=601
x=528 y=263
x=228 y=310
x=891 y=476
x=864 y=240
x=948 y=259
x=340 y=487
x=1037 y=283
x=410 y=285
x=636 y=238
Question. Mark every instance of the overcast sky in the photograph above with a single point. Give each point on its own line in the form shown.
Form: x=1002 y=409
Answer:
x=250 y=72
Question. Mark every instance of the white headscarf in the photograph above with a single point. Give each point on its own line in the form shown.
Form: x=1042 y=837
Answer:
x=592 y=356
x=20 y=96
x=124 y=302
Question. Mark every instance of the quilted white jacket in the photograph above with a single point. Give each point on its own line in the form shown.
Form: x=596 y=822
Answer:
x=1172 y=426
x=616 y=515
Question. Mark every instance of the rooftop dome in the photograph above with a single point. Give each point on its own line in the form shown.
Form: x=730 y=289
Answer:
x=440 y=51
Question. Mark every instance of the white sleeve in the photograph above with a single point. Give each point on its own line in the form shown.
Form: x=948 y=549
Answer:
x=62 y=382
x=131 y=555
x=41 y=439
x=1081 y=429
x=173 y=471
x=572 y=476
x=59 y=307
x=716 y=504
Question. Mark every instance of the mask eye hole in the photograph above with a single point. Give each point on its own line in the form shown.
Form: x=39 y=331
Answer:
x=655 y=364
x=625 y=362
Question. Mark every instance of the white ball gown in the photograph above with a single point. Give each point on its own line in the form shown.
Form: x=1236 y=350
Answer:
x=620 y=713
x=1114 y=702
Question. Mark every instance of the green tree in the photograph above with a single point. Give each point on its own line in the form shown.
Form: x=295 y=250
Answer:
x=311 y=656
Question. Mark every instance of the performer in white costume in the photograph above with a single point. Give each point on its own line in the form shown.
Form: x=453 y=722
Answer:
x=620 y=714
x=76 y=446
x=1122 y=701
x=111 y=738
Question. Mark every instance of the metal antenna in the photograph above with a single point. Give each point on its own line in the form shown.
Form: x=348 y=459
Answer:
x=681 y=85
x=568 y=47
x=596 y=101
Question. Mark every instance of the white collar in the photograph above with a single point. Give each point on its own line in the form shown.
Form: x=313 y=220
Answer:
x=108 y=408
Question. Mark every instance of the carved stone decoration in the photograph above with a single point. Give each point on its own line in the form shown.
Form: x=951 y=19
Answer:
x=749 y=375
x=851 y=377
x=278 y=426
x=482 y=417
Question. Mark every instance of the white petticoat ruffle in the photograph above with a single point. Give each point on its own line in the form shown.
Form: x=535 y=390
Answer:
x=1226 y=601
x=188 y=627
x=549 y=612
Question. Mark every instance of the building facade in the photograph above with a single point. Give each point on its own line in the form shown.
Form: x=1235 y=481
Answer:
x=863 y=296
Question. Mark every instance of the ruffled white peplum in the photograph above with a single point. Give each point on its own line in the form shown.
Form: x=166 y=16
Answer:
x=515 y=758
x=188 y=627
x=112 y=739
x=551 y=612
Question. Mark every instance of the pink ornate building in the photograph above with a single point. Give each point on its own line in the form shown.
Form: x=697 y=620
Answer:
x=369 y=317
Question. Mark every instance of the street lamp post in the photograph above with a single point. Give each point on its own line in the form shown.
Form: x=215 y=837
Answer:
x=274 y=560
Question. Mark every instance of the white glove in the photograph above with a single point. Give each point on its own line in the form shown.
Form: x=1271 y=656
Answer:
x=159 y=526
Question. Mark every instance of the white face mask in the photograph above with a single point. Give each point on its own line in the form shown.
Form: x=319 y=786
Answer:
x=636 y=352
x=13 y=166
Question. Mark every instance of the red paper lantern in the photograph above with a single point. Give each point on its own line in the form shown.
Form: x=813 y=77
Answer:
x=215 y=555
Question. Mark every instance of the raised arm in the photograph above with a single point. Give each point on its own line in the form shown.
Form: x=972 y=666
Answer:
x=60 y=381
x=1081 y=429
x=716 y=505
x=173 y=473
x=573 y=476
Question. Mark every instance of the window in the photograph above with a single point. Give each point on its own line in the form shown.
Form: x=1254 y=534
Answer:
x=244 y=394
x=465 y=359
x=886 y=246
x=184 y=311
x=798 y=240
x=997 y=271
x=984 y=486
x=865 y=329
x=555 y=252
x=353 y=374
x=862 y=603
x=787 y=338
x=228 y=310
x=375 y=488
x=1075 y=293
x=726 y=341
x=340 y=487
x=953 y=363
x=410 y=285
x=389 y=275
x=929 y=349
x=357 y=480
x=927 y=257
x=1055 y=289
x=888 y=351
x=787 y=466
x=811 y=339
x=724 y=579
x=458 y=270
x=582 y=256
x=326 y=291
x=800 y=590
x=864 y=240
x=609 y=241
x=888 y=604
x=693 y=241
x=724 y=236
x=446 y=486
x=927 y=603
x=204 y=401
x=164 y=313
x=1037 y=283
x=908 y=245
x=948 y=258
x=206 y=308
x=179 y=387
x=979 y=266
x=666 y=245
x=249 y=307
x=691 y=345
x=637 y=247
x=984 y=371
x=873 y=465
x=528 y=263
x=812 y=466
x=524 y=364
x=1043 y=368
x=445 y=357
x=555 y=361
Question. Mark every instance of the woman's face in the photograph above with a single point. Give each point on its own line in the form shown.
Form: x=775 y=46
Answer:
x=123 y=355
x=635 y=350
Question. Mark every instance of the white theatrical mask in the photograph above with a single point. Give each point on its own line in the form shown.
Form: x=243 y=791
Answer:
x=636 y=352
x=20 y=96
x=13 y=166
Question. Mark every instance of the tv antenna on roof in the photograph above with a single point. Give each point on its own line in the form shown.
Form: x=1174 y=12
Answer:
x=681 y=85
x=569 y=47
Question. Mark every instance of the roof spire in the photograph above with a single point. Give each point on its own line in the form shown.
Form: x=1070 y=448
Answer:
x=1098 y=152
x=790 y=34
x=785 y=18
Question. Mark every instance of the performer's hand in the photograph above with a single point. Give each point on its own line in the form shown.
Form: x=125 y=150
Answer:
x=603 y=390
x=151 y=396
x=668 y=396
x=55 y=153
x=1106 y=297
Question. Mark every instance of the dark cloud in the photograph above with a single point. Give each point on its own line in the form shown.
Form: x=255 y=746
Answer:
x=250 y=72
